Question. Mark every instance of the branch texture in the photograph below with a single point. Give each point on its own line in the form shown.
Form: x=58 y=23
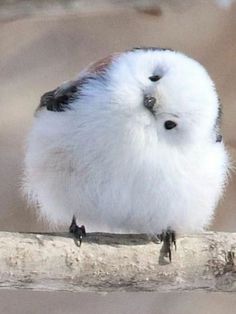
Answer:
x=115 y=262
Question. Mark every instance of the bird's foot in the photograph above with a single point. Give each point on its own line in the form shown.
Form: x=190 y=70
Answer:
x=78 y=232
x=168 y=238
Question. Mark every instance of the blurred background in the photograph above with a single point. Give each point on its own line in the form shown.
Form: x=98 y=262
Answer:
x=42 y=44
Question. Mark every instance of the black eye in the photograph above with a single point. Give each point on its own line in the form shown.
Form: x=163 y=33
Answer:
x=170 y=124
x=154 y=78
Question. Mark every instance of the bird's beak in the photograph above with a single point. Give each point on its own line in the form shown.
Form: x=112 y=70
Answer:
x=149 y=102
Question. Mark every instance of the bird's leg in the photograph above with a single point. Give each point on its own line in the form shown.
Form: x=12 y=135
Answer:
x=168 y=238
x=78 y=232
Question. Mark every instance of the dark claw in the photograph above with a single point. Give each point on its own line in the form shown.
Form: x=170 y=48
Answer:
x=168 y=238
x=78 y=232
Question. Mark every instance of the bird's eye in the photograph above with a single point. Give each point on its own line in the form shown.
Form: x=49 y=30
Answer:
x=170 y=124
x=154 y=78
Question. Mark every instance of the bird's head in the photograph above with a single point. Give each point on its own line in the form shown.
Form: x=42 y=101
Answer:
x=159 y=90
x=165 y=91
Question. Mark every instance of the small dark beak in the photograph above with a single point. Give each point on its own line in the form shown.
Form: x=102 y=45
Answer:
x=149 y=102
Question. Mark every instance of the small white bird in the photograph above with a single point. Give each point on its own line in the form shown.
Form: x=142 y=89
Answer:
x=132 y=145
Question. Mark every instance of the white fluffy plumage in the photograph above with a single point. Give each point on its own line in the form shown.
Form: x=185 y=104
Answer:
x=97 y=152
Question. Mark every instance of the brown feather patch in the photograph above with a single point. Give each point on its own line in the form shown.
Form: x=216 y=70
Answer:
x=101 y=65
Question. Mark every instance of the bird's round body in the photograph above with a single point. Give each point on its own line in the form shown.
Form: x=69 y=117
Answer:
x=131 y=145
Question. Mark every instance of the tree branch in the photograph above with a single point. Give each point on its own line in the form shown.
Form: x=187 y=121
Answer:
x=112 y=262
x=12 y=9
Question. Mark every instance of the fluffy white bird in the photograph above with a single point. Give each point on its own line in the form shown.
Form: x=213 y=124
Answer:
x=132 y=145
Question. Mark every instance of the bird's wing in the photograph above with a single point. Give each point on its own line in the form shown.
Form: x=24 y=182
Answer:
x=60 y=98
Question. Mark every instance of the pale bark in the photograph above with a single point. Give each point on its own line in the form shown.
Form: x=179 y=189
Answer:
x=112 y=262
x=12 y=9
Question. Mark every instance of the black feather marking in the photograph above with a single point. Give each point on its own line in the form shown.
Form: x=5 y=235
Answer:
x=59 y=99
x=219 y=116
x=219 y=138
x=218 y=123
x=152 y=49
